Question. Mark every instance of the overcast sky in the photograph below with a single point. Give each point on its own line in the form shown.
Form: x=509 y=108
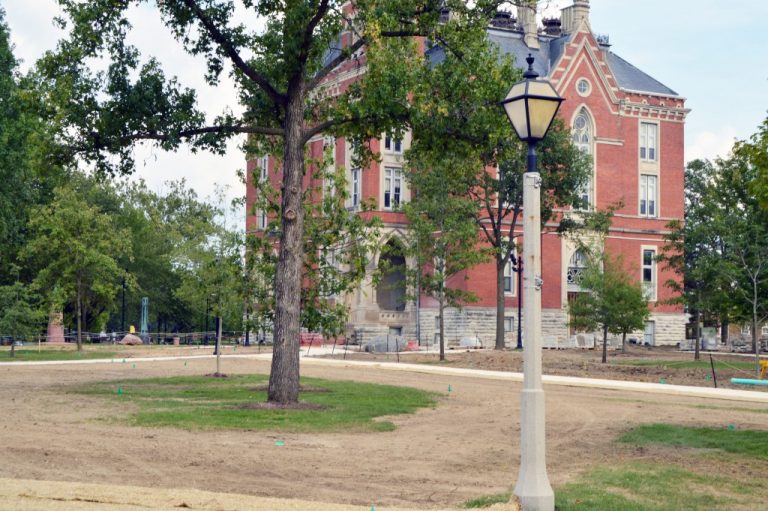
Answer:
x=713 y=53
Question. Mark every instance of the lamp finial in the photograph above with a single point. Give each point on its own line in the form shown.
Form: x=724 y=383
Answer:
x=530 y=73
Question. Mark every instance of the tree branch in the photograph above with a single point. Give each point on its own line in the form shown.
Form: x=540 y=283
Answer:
x=234 y=56
x=322 y=9
x=164 y=137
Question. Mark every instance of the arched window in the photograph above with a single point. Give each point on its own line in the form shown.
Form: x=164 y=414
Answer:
x=576 y=267
x=390 y=292
x=582 y=137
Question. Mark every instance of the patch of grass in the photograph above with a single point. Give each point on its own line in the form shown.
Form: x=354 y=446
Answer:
x=653 y=487
x=23 y=355
x=198 y=402
x=686 y=364
x=749 y=443
x=488 y=500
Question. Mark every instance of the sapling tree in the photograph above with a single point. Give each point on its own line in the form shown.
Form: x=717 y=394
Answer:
x=611 y=300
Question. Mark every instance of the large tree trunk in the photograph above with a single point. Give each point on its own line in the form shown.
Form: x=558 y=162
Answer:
x=724 y=331
x=605 y=344
x=284 y=374
x=623 y=342
x=499 y=303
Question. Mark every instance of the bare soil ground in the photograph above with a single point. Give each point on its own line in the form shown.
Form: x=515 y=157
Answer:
x=436 y=458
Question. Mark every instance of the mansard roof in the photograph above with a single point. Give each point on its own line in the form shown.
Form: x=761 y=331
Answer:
x=510 y=42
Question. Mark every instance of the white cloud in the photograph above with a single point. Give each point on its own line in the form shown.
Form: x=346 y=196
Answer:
x=711 y=144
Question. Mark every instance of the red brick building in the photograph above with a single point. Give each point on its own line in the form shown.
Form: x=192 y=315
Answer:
x=629 y=122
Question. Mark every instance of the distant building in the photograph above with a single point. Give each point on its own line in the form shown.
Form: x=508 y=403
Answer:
x=631 y=124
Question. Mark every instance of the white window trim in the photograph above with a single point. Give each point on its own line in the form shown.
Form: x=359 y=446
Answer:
x=511 y=320
x=390 y=145
x=653 y=296
x=510 y=274
x=355 y=187
x=643 y=142
x=262 y=221
x=396 y=176
x=643 y=188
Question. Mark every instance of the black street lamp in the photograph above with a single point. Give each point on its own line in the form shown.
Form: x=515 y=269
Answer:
x=531 y=106
x=517 y=267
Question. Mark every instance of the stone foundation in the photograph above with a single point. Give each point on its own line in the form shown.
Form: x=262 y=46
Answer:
x=480 y=322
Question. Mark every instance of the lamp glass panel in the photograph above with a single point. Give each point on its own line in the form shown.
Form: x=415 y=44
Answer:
x=541 y=112
x=540 y=88
x=516 y=113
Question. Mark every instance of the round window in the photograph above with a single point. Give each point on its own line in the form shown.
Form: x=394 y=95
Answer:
x=583 y=87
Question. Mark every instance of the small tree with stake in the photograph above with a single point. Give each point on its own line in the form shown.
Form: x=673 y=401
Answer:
x=612 y=302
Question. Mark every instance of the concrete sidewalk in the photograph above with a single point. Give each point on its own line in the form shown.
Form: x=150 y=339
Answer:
x=568 y=381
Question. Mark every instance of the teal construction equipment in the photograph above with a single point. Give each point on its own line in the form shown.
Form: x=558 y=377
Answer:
x=747 y=381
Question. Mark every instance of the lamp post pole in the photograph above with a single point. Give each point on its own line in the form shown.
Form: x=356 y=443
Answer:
x=531 y=106
x=532 y=488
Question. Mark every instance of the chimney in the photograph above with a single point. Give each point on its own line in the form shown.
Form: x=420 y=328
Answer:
x=527 y=16
x=573 y=15
x=552 y=26
x=503 y=19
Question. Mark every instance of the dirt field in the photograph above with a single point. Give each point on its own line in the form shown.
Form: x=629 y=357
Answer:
x=437 y=458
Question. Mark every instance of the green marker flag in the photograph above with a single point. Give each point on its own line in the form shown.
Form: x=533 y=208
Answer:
x=119 y=391
x=279 y=443
x=449 y=388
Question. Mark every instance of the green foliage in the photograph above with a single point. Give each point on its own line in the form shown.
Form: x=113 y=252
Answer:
x=755 y=152
x=76 y=248
x=749 y=443
x=442 y=237
x=25 y=179
x=720 y=249
x=197 y=402
x=488 y=500
x=612 y=302
x=656 y=487
x=31 y=355
x=688 y=364
x=20 y=315
x=338 y=244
